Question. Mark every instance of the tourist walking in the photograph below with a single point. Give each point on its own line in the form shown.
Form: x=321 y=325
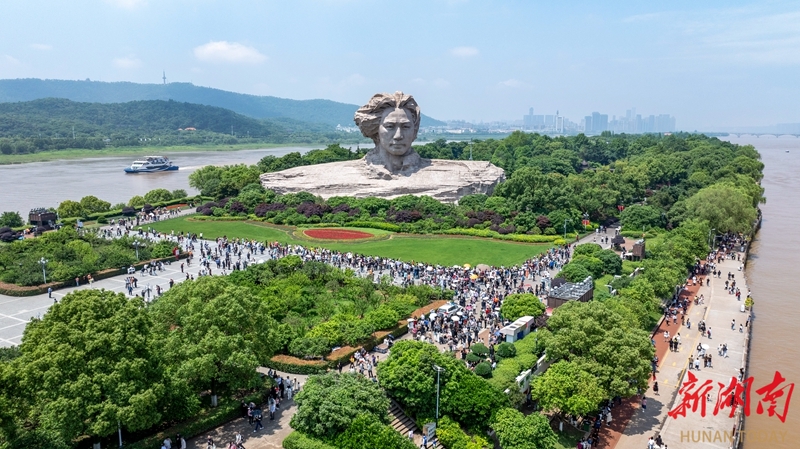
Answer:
x=655 y=388
x=644 y=403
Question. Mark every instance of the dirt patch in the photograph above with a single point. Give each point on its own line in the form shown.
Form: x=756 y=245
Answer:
x=336 y=234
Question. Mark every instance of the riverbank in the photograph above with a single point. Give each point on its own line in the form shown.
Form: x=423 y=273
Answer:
x=46 y=156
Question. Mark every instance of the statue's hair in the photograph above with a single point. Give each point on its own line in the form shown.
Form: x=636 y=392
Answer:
x=368 y=117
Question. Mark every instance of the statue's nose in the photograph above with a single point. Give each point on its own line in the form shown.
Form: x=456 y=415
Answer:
x=398 y=133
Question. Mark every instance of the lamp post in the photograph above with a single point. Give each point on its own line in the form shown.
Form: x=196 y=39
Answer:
x=136 y=245
x=439 y=370
x=43 y=262
x=585 y=220
x=565 y=227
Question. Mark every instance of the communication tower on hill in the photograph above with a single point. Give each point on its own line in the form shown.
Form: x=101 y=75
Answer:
x=164 y=77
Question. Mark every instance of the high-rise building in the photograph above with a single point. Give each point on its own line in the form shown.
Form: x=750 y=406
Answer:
x=587 y=127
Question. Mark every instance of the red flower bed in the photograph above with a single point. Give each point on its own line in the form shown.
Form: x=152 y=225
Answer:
x=336 y=234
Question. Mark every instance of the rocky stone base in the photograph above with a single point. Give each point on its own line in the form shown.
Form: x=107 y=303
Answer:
x=444 y=180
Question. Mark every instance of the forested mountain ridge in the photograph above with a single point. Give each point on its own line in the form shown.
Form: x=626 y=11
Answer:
x=316 y=111
x=54 y=117
x=56 y=124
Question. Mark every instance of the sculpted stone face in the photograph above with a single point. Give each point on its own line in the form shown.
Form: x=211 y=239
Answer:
x=396 y=132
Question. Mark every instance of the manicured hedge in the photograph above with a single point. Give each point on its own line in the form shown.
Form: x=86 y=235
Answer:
x=525 y=238
x=294 y=365
x=375 y=225
x=213 y=218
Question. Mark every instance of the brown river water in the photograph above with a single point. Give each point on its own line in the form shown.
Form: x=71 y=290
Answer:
x=771 y=274
x=771 y=270
x=46 y=184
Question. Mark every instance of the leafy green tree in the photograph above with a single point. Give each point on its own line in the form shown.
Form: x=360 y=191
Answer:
x=409 y=377
x=574 y=272
x=368 y=432
x=600 y=342
x=568 y=389
x=587 y=249
x=136 y=202
x=637 y=217
x=329 y=403
x=11 y=219
x=69 y=208
x=92 y=204
x=612 y=263
x=724 y=207
x=157 y=196
x=89 y=363
x=215 y=333
x=591 y=263
x=517 y=431
x=178 y=194
x=519 y=305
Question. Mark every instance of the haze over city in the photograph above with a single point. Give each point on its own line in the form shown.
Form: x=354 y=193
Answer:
x=714 y=65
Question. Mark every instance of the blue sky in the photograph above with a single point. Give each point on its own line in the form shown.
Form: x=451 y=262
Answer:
x=710 y=63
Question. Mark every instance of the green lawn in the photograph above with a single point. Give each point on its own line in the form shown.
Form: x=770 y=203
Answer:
x=442 y=250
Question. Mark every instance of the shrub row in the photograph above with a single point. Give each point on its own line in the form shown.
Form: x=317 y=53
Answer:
x=294 y=365
x=375 y=225
x=297 y=440
x=208 y=419
x=525 y=238
x=213 y=218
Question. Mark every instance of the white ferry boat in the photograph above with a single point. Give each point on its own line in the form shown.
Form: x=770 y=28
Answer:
x=151 y=164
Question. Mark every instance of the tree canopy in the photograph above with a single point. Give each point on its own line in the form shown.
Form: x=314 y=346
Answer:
x=517 y=431
x=521 y=304
x=215 y=332
x=89 y=363
x=600 y=342
x=329 y=403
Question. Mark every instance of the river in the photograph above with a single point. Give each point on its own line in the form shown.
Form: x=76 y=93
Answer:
x=771 y=271
x=46 y=184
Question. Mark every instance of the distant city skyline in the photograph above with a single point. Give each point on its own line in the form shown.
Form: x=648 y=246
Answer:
x=715 y=64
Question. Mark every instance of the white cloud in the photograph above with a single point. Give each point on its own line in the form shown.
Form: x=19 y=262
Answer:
x=129 y=62
x=41 y=47
x=464 y=52
x=9 y=60
x=514 y=83
x=228 y=52
x=128 y=4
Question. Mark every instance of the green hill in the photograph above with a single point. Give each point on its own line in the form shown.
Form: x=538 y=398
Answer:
x=56 y=117
x=317 y=111
x=57 y=124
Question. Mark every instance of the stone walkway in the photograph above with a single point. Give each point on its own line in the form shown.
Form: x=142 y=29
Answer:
x=718 y=311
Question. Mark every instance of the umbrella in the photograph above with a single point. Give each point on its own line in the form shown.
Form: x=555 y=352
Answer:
x=459 y=313
x=456 y=266
x=482 y=267
x=473 y=276
x=704 y=346
x=412 y=319
x=466 y=265
x=430 y=268
x=455 y=318
x=433 y=315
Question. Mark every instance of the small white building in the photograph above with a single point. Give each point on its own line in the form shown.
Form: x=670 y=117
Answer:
x=518 y=329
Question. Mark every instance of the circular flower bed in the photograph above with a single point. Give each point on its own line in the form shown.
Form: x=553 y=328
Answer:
x=336 y=234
